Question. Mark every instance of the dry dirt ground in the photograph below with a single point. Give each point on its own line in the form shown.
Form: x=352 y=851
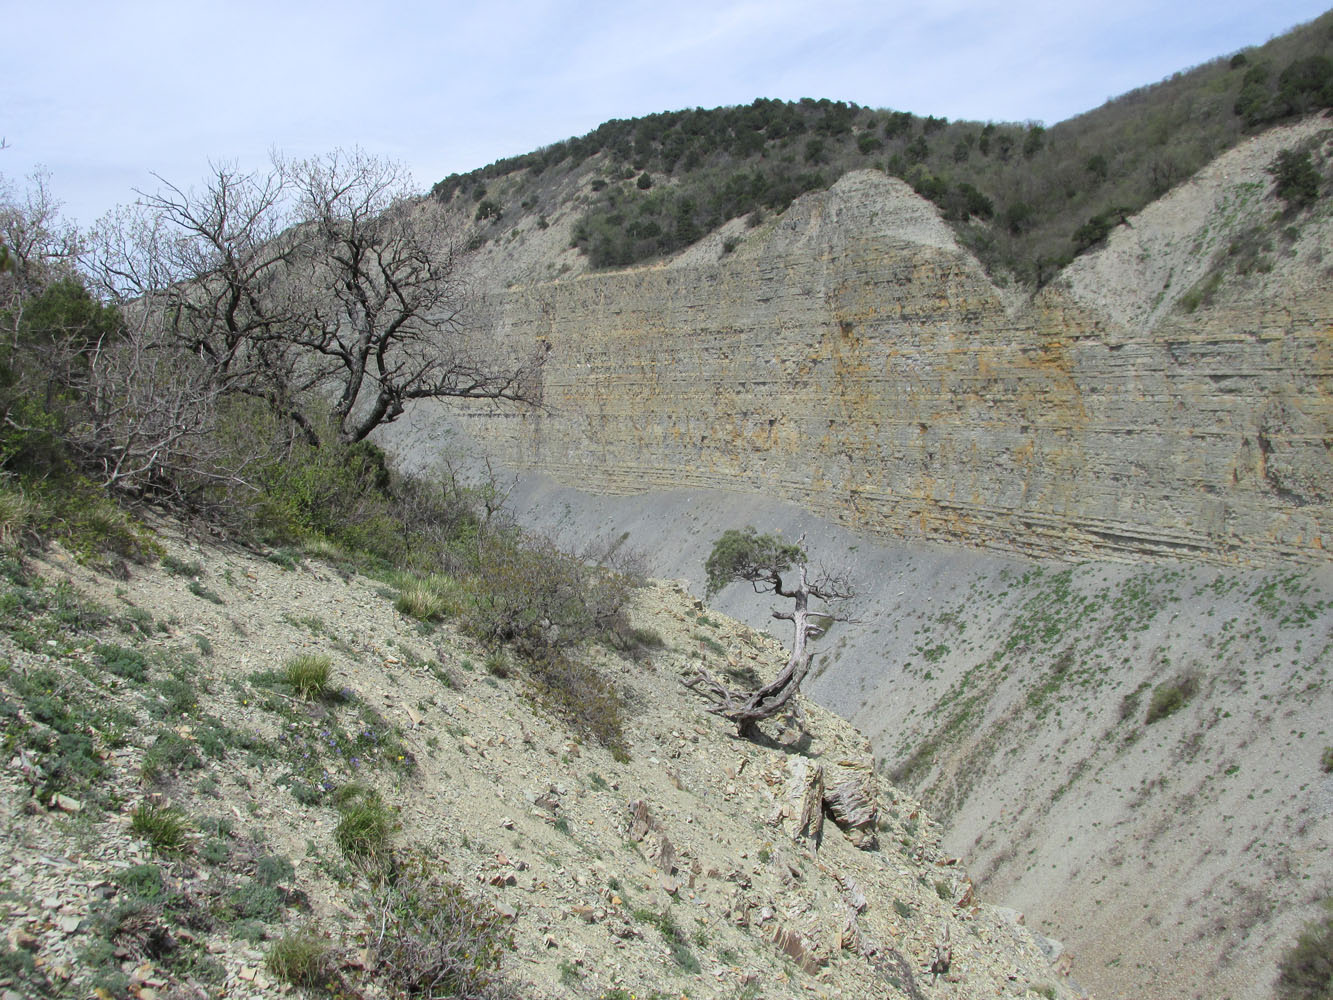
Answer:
x=502 y=798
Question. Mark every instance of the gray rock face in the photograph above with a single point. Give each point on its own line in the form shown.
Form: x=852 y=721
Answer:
x=850 y=358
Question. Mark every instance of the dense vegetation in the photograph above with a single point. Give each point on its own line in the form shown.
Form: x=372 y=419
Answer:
x=104 y=411
x=1025 y=198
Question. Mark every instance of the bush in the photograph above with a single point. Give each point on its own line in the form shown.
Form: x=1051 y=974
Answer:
x=1171 y=696
x=437 y=941
x=527 y=591
x=308 y=675
x=167 y=757
x=1296 y=181
x=674 y=937
x=581 y=696
x=1326 y=761
x=1306 y=970
x=121 y=661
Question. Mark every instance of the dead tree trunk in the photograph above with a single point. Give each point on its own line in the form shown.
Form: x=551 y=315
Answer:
x=747 y=708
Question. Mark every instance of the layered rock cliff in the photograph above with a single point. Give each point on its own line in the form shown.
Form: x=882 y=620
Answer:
x=850 y=357
x=1165 y=399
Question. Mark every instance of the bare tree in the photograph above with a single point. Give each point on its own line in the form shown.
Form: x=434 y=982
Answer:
x=36 y=245
x=388 y=307
x=210 y=268
x=317 y=285
x=762 y=560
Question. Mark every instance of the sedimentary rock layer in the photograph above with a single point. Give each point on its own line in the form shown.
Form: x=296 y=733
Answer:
x=850 y=357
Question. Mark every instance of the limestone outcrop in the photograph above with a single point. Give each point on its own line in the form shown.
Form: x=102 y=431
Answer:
x=851 y=357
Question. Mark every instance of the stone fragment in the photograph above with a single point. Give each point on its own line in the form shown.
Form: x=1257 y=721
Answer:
x=810 y=823
x=853 y=806
x=797 y=947
x=641 y=820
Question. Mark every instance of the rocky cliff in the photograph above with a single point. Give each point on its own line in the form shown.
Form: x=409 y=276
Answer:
x=850 y=357
x=1165 y=399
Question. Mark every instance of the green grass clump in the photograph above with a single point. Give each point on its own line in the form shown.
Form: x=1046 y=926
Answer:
x=421 y=601
x=364 y=825
x=301 y=958
x=1326 y=760
x=496 y=664
x=165 y=828
x=308 y=675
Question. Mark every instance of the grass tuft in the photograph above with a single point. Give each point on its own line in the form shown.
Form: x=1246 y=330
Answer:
x=166 y=829
x=364 y=826
x=308 y=675
x=302 y=959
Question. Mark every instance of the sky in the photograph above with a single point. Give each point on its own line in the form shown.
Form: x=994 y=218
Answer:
x=107 y=96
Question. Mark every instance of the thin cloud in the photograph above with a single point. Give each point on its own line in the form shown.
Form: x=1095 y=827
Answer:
x=107 y=94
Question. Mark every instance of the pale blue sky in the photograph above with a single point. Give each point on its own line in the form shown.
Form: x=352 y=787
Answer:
x=104 y=94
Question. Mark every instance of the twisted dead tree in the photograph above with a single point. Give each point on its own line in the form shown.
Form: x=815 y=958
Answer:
x=762 y=560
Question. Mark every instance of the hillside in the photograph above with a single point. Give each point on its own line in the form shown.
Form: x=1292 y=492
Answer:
x=1014 y=697
x=851 y=357
x=164 y=692
x=1068 y=502
x=1023 y=197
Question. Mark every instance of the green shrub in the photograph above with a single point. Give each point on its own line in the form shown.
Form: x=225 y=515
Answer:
x=308 y=675
x=273 y=869
x=123 y=662
x=1326 y=760
x=142 y=881
x=252 y=901
x=199 y=590
x=1296 y=181
x=675 y=938
x=19 y=970
x=435 y=940
x=1306 y=970
x=1171 y=696
x=180 y=567
x=579 y=694
x=170 y=754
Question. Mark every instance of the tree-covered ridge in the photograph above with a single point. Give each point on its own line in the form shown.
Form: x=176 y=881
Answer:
x=1025 y=198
